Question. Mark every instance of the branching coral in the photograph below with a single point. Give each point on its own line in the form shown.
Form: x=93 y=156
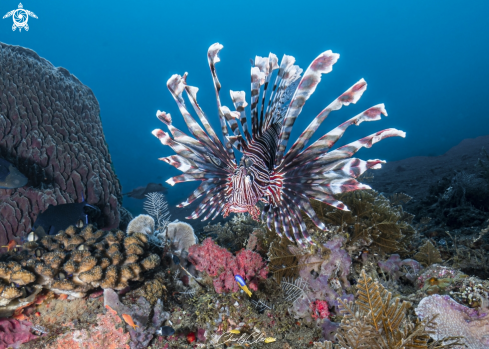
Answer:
x=222 y=265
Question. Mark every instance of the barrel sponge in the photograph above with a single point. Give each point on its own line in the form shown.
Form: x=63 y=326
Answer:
x=141 y=224
x=51 y=131
x=181 y=236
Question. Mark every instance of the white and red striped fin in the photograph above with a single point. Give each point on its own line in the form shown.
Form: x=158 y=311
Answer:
x=321 y=65
x=239 y=101
x=213 y=58
x=352 y=95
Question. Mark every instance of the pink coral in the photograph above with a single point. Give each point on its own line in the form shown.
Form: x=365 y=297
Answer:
x=220 y=264
x=14 y=332
x=104 y=335
x=319 y=309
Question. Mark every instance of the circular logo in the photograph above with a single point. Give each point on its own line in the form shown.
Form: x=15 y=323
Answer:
x=20 y=17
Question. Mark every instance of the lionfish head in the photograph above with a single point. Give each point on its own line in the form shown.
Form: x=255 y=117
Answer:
x=247 y=188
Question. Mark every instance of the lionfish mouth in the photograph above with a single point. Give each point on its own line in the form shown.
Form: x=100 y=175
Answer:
x=285 y=181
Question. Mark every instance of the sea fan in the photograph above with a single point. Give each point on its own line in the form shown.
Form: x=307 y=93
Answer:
x=293 y=289
x=157 y=206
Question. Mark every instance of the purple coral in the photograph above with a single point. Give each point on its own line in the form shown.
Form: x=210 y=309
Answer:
x=455 y=319
x=222 y=265
x=50 y=129
x=393 y=267
x=326 y=278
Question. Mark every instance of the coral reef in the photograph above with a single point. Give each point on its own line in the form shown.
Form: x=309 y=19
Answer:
x=454 y=319
x=108 y=333
x=325 y=274
x=145 y=328
x=376 y=320
x=372 y=223
x=76 y=261
x=50 y=129
x=222 y=265
x=233 y=234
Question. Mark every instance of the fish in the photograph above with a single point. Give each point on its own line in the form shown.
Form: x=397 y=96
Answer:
x=141 y=192
x=11 y=245
x=165 y=331
x=242 y=284
x=129 y=321
x=60 y=217
x=63 y=296
x=10 y=176
x=235 y=331
x=270 y=340
x=284 y=181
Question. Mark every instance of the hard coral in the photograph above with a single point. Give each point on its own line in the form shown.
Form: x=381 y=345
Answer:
x=77 y=271
x=50 y=129
x=455 y=319
x=222 y=265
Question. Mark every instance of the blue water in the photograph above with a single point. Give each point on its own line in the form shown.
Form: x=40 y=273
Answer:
x=426 y=60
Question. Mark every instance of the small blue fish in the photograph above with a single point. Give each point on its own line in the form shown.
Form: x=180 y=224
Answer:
x=165 y=331
x=176 y=260
x=242 y=284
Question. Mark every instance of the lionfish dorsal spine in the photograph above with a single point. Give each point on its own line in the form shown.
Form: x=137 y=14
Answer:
x=285 y=181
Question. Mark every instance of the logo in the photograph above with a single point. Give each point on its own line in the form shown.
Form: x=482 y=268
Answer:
x=20 y=17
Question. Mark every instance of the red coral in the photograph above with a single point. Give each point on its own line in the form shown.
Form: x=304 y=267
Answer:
x=319 y=309
x=220 y=264
x=14 y=332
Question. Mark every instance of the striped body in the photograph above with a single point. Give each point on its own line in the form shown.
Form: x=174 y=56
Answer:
x=283 y=180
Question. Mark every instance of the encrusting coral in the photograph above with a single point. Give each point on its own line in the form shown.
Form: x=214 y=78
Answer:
x=76 y=261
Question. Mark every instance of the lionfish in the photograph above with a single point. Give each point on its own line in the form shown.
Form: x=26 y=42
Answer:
x=284 y=182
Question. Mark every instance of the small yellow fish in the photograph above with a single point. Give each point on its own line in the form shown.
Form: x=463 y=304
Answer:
x=235 y=331
x=270 y=340
x=128 y=319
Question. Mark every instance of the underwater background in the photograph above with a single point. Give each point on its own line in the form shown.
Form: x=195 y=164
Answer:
x=301 y=255
x=426 y=60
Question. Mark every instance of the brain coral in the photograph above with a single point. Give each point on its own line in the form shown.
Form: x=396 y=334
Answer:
x=50 y=129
